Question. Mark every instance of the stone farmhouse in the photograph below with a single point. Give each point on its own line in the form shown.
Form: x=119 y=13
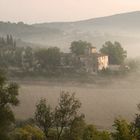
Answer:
x=91 y=61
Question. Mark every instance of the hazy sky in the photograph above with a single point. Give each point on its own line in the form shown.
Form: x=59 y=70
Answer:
x=31 y=11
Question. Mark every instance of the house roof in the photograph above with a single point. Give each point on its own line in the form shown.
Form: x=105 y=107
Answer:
x=98 y=54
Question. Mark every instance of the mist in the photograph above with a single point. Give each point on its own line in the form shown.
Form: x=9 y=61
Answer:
x=50 y=50
x=102 y=101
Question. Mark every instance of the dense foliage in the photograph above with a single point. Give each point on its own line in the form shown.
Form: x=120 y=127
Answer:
x=8 y=98
x=26 y=59
x=79 y=47
x=44 y=117
x=115 y=52
x=27 y=132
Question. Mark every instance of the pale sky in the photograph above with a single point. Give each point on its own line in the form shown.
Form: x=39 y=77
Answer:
x=36 y=11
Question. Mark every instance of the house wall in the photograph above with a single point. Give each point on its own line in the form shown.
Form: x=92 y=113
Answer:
x=93 y=50
x=102 y=62
x=91 y=63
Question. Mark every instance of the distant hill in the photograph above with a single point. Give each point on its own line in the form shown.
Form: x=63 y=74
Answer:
x=121 y=21
x=121 y=27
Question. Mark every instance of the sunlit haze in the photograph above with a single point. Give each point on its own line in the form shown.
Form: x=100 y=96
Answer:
x=32 y=11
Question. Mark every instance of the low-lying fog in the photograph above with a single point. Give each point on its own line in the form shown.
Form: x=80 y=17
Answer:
x=101 y=103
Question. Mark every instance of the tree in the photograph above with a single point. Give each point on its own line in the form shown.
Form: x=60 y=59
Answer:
x=123 y=130
x=7 y=51
x=133 y=64
x=44 y=117
x=18 y=59
x=66 y=112
x=28 y=132
x=48 y=59
x=75 y=130
x=79 y=47
x=104 y=135
x=115 y=52
x=27 y=59
x=91 y=133
x=8 y=98
x=8 y=39
x=136 y=125
x=41 y=58
x=2 y=42
x=10 y=42
x=53 y=57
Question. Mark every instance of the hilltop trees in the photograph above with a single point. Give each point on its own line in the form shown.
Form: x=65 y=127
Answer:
x=48 y=59
x=8 y=41
x=7 y=51
x=78 y=47
x=115 y=52
x=26 y=59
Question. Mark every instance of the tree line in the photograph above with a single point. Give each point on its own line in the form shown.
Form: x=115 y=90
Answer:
x=8 y=41
x=51 y=60
x=63 y=122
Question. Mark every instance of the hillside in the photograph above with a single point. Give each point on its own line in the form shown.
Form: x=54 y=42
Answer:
x=125 y=21
x=121 y=27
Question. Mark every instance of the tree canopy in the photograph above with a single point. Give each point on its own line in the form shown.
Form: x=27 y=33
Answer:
x=115 y=51
x=28 y=132
x=44 y=116
x=8 y=98
x=79 y=47
x=48 y=59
